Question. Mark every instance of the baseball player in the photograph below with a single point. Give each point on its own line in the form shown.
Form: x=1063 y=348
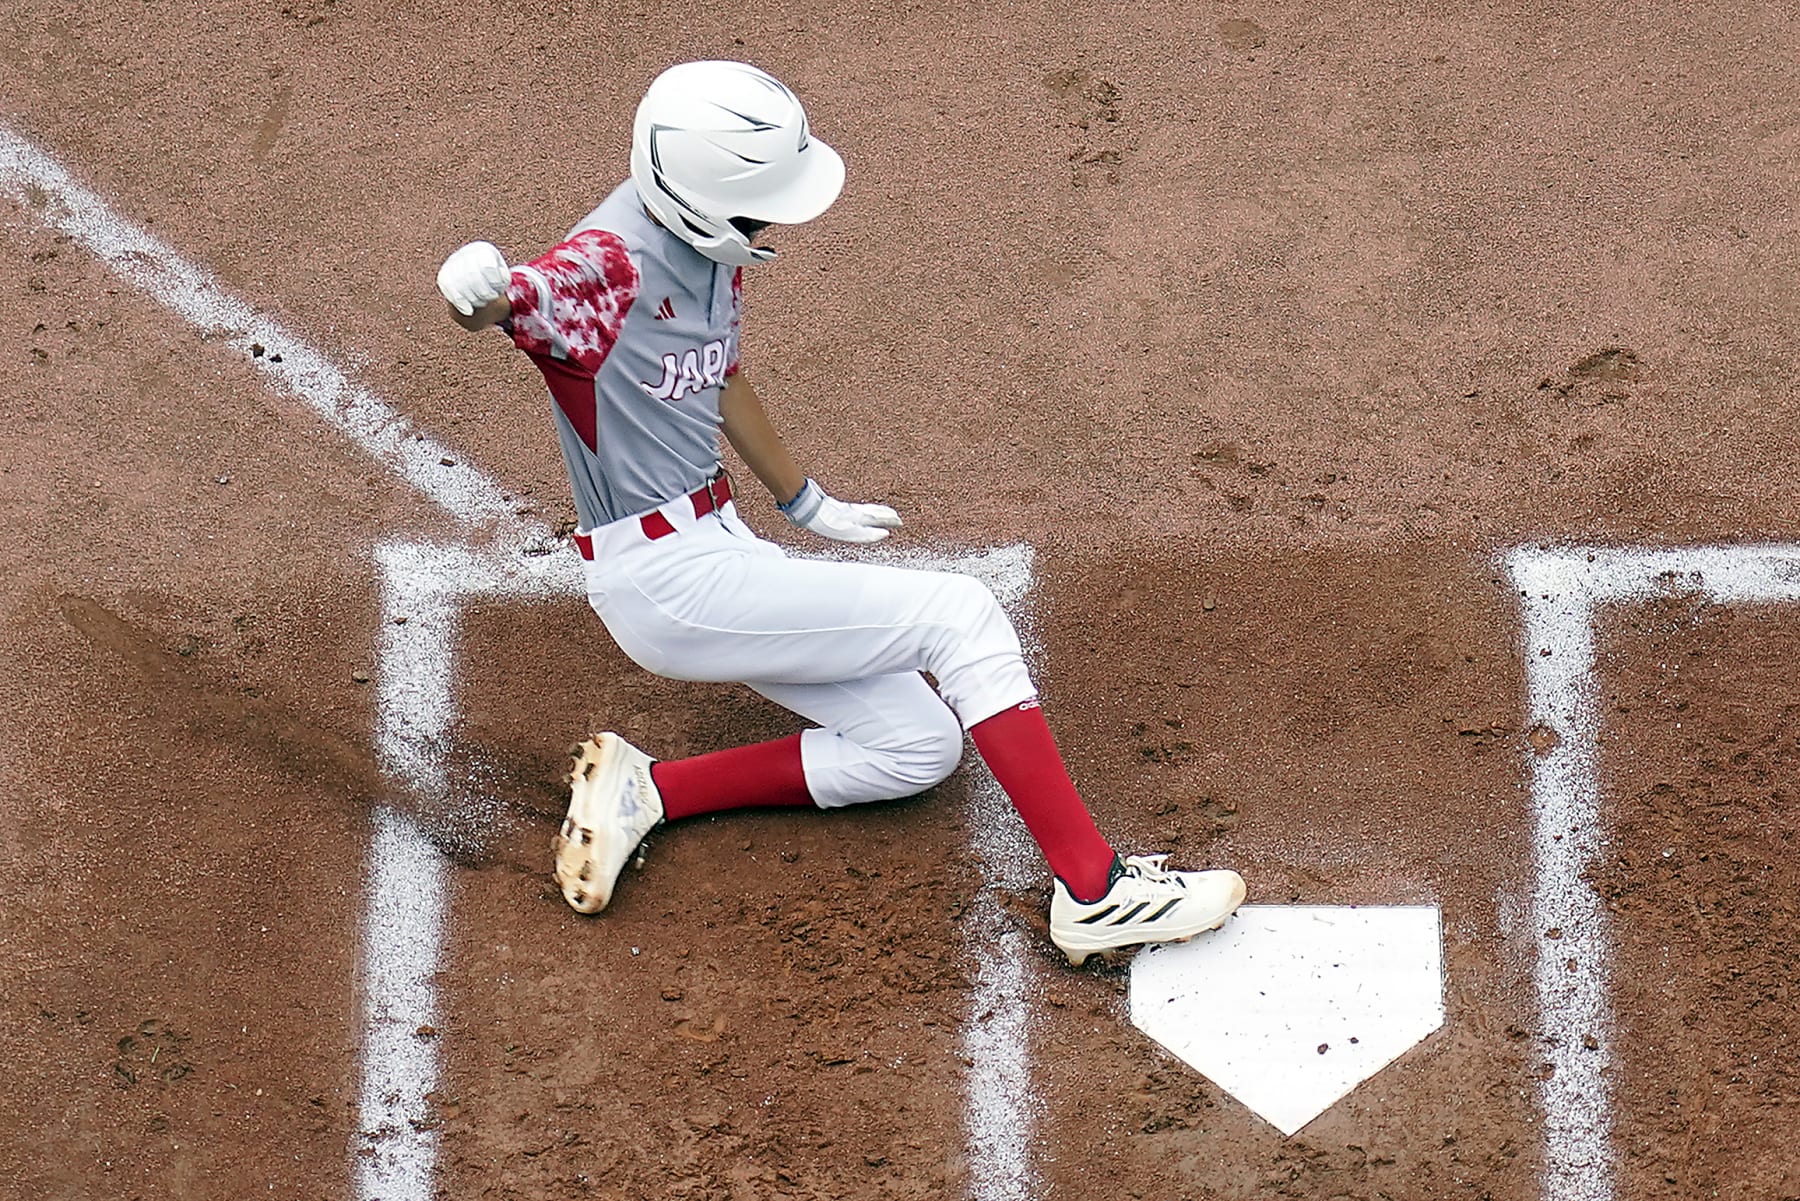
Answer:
x=633 y=319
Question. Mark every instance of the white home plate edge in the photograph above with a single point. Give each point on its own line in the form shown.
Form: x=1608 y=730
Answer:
x=1289 y=1008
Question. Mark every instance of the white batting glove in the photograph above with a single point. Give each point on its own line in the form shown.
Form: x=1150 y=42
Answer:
x=828 y=517
x=474 y=275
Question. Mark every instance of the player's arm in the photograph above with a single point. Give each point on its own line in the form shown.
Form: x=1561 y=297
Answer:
x=474 y=279
x=486 y=317
x=748 y=428
x=567 y=304
x=752 y=435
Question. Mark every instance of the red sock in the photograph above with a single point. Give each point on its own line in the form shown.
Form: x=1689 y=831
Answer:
x=744 y=777
x=1021 y=752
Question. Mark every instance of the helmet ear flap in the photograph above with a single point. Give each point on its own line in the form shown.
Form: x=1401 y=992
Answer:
x=720 y=241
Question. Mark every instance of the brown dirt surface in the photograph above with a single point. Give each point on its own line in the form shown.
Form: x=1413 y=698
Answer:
x=1704 y=886
x=1270 y=327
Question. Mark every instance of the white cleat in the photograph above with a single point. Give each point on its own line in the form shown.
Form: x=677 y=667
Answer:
x=1145 y=904
x=613 y=803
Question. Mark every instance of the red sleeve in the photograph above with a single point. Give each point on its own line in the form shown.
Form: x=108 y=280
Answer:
x=737 y=320
x=570 y=303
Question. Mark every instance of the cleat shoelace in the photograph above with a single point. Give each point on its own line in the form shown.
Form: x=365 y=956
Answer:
x=1149 y=868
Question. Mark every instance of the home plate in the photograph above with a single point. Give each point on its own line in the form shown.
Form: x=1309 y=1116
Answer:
x=1288 y=1008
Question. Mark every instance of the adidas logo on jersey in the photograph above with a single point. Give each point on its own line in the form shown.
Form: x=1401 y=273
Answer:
x=695 y=371
x=665 y=311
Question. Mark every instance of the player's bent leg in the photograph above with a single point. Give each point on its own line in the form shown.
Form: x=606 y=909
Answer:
x=759 y=776
x=618 y=794
x=886 y=737
x=763 y=617
x=878 y=738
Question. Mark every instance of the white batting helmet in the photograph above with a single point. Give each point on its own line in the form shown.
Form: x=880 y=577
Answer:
x=718 y=142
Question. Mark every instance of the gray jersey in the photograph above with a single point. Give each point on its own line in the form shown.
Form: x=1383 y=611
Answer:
x=635 y=332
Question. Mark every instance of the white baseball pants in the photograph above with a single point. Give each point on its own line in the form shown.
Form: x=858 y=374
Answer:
x=841 y=644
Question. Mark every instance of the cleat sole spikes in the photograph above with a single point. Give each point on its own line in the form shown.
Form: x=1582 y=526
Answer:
x=613 y=803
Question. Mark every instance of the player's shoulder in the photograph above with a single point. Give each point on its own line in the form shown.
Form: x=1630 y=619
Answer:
x=607 y=240
x=601 y=251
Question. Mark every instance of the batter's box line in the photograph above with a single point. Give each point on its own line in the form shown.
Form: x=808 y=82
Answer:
x=1562 y=593
x=425 y=590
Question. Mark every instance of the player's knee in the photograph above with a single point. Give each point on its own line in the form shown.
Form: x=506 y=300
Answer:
x=974 y=639
x=932 y=752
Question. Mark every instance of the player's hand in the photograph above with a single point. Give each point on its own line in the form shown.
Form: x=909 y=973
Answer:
x=473 y=276
x=816 y=510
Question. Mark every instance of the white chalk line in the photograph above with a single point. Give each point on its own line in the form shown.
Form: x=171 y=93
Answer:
x=425 y=588
x=998 y=1115
x=407 y=892
x=1563 y=591
x=292 y=365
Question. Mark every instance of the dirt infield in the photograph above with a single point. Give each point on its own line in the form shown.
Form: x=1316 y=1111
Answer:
x=1702 y=727
x=1269 y=328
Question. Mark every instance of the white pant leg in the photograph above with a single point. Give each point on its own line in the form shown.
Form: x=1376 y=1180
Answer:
x=881 y=737
x=713 y=602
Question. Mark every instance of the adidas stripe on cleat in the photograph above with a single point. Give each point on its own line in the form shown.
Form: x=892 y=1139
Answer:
x=1144 y=903
x=613 y=803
